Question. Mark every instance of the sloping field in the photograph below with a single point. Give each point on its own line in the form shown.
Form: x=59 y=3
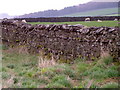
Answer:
x=98 y=12
x=113 y=15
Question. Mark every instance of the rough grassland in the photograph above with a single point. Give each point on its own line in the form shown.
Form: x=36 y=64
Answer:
x=89 y=24
x=28 y=71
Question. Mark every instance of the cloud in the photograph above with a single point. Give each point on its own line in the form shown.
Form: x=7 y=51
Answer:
x=19 y=7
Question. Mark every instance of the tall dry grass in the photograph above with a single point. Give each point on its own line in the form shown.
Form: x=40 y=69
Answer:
x=44 y=62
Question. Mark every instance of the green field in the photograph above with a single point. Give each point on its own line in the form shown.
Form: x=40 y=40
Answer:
x=98 y=12
x=113 y=15
x=89 y=24
x=22 y=70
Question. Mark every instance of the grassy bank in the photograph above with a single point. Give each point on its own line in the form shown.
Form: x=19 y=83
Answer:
x=31 y=71
x=89 y=24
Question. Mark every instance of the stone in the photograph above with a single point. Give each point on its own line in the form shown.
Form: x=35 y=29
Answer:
x=99 y=30
x=111 y=30
x=85 y=31
x=118 y=43
x=67 y=41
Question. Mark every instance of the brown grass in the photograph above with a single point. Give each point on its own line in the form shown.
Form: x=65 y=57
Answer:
x=45 y=62
x=18 y=49
x=104 y=53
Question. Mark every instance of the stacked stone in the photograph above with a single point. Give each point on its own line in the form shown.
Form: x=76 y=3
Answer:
x=65 y=42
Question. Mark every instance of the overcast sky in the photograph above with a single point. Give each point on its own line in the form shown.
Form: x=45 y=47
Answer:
x=20 y=7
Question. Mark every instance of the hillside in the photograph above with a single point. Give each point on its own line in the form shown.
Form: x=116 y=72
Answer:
x=98 y=12
x=72 y=10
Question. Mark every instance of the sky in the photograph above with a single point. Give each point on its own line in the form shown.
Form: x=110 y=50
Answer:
x=20 y=7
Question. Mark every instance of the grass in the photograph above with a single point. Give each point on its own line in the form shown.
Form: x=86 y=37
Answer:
x=113 y=15
x=98 y=12
x=24 y=71
x=89 y=24
x=110 y=85
x=59 y=80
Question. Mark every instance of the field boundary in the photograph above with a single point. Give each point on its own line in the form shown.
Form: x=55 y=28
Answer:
x=67 y=19
x=64 y=42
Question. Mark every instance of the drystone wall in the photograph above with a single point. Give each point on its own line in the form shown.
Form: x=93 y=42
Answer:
x=65 y=42
x=68 y=19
